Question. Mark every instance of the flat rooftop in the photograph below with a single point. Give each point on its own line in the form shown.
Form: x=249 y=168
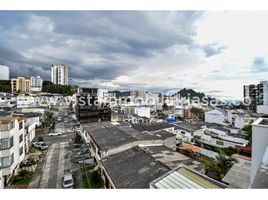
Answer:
x=154 y=126
x=184 y=178
x=133 y=168
x=172 y=158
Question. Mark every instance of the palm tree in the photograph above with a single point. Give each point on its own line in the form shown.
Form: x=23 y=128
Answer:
x=224 y=163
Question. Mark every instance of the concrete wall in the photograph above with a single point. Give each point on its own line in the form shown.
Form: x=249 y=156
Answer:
x=259 y=144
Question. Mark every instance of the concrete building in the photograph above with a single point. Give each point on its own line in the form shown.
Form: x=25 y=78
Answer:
x=20 y=84
x=259 y=147
x=7 y=100
x=12 y=150
x=25 y=101
x=239 y=119
x=36 y=84
x=59 y=74
x=258 y=94
x=215 y=116
x=91 y=105
x=4 y=75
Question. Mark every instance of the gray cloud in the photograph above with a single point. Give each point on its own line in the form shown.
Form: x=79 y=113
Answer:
x=96 y=45
x=213 y=49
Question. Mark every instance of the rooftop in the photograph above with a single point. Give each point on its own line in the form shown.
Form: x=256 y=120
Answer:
x=184 y=178
x=172 y=158
x=107 y=135
x=239 y=175
x=126 y=175
x=154 y=126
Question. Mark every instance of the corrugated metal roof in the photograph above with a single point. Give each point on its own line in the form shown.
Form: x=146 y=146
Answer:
x=183 y=178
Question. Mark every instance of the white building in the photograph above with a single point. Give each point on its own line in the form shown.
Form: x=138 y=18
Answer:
x=59 y=74
x=7 y=100
x=36 y=84
x=25 y=101
x=259 y=144
x=215 y=116
x=12 y=140
x=4 y=75
x=239 y=119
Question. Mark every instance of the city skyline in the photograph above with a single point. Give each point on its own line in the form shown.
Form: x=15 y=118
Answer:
x=212 y=52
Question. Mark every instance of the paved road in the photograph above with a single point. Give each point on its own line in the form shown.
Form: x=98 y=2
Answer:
x=50 y=172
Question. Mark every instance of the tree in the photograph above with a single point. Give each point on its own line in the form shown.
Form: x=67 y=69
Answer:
x=165 y=107
x=218 y=167
x=248 y=130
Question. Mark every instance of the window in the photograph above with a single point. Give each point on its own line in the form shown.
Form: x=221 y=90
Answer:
x=4 y=144
x=4 y=127
x=5 y=162
x=21 y=125
x=11 y=142
x=21 y=138
x=21 y=150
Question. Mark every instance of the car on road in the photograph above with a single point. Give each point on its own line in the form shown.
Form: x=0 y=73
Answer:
x=68 y=181
x=40 y=145
x=55 y=134
x=66 y=120
x=59 y=119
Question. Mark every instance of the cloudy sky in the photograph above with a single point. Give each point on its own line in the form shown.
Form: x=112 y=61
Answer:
x=213 y=52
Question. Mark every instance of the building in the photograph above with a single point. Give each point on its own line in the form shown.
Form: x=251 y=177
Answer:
x=7 y=100
x=184 y=178
x=215 y=116
x=25 y=101
x=258 y=94
x=59 y=74
x=4 y=75
x=239 y=119
x=20 y=84
x=12 y=149
x=36 y=84
x=133 y=168
x=259 y=154
x=91 y=105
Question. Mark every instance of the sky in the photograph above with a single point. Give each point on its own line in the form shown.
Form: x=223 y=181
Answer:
x=160 y=51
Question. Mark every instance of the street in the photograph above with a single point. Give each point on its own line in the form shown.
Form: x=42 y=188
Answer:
x=58 y=162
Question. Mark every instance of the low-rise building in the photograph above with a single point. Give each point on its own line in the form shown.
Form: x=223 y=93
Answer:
x=8 y=100
x=184 y=178
x=217 y=116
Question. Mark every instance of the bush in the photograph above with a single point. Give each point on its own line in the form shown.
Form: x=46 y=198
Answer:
x=40 y=139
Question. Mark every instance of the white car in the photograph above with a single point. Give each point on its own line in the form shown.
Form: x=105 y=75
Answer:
x=59 y=119
x=68 y=181
x=40 y=145
x=55 y=134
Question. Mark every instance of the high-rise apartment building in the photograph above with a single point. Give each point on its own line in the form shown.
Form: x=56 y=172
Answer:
x=36 y=84
x=59 y=74
x=258 y=94
x=4 y=72
x=20 y=84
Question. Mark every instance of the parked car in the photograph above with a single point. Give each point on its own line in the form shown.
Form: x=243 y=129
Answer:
x=55 y=134
x=66 y=120
x=40 y=145
x=68 y=181
x=59 y=119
